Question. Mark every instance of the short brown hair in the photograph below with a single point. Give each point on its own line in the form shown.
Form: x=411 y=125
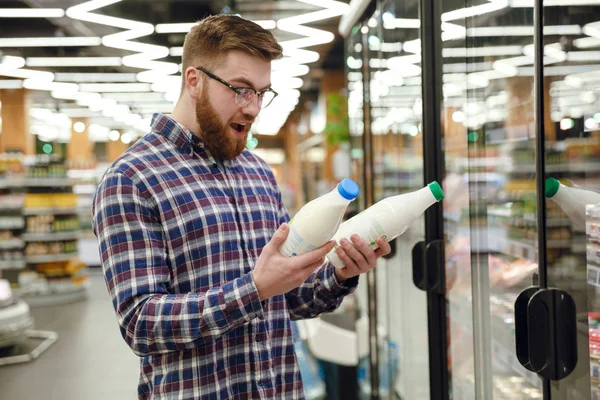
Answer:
x=213 y=37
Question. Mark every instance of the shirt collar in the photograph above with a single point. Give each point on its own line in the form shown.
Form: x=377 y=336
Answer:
x=176 y=133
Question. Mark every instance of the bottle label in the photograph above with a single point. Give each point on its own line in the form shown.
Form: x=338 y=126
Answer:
x=295 y=244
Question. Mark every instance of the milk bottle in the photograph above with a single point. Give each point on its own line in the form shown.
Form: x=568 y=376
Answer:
x=388 y=218
x=317 y=221
x=572 y=200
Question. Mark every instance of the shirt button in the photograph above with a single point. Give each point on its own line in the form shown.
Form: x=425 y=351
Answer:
x=257 y=338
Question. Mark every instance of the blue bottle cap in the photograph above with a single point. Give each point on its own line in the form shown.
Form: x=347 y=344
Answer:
x=348 y=189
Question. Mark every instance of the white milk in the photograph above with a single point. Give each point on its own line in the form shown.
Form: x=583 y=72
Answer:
x=571 y=200
x=316 y=222
x=388 y=218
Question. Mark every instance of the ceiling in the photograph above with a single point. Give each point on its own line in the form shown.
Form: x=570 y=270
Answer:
x=113 y=60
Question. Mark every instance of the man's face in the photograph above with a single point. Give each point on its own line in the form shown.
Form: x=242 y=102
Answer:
x=224 y=125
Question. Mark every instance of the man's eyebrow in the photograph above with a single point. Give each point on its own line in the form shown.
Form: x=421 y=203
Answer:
x=249 y=84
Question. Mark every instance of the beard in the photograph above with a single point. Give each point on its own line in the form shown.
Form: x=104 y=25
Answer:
x=217 y=136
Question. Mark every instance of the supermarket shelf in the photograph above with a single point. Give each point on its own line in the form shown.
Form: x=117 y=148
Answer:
x=12 y=223
x=13 y=264
x=50 y=211
x=10 y=207
x=77 y=294
x=50 y=258
x=50 y=237
x=35 y=182
x=553 y=168
x=530 y=219
x=11 y=244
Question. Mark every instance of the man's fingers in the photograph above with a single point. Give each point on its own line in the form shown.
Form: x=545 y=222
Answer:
x=280 y=235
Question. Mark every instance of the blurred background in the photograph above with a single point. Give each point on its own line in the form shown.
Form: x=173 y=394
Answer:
x=392 y=93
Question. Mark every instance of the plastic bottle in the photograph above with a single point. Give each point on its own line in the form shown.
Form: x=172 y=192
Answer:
x=388 y=218
x=317 y=221
x=572 y=200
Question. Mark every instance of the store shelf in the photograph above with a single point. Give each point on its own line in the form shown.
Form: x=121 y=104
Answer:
x=11 y=244
x=35 y=182
x=50 y=211
x=12 y=264
x=529 y=219
x=552 y=168
x=50 y=237
x=50 y=258
x=10 y=223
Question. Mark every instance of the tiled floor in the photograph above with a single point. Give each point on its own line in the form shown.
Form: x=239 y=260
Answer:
x=90 y=360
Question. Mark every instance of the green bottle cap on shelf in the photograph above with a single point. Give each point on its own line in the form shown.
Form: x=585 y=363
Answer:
x=436 y=190
x=552 y=186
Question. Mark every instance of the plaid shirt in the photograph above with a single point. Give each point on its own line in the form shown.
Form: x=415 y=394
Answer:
x=179 y=236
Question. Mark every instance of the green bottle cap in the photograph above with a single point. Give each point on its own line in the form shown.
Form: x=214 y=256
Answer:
x=552 y=186
x=436 y=190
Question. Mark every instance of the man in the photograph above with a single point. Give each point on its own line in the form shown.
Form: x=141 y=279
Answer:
x=189 y=225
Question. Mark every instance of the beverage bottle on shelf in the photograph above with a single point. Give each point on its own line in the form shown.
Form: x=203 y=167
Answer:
x=388 y=218
x=572 y=200
x=317 y=221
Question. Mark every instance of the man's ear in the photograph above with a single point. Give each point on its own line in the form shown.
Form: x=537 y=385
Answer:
x=193 y=82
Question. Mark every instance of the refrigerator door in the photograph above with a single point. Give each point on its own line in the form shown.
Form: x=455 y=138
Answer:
x=490 y=220
x=388 y=115
x=572 y=127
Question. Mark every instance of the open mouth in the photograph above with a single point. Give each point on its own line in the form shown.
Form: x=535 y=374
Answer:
x=239 y=128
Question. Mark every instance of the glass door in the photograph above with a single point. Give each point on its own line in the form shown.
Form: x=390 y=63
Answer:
x=490 y=208
x=385 y=114
x=572 y=125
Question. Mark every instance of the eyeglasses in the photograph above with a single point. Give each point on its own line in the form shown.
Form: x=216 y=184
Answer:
x=244 y=95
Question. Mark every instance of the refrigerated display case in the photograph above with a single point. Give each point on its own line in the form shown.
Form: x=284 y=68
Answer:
x=468 y=75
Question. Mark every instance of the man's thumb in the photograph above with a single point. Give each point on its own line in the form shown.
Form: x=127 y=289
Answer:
x=281 y=234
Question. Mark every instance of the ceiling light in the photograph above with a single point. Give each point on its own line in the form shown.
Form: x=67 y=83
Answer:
x=126 y=138
x=73 y=61
x=114 y=135
x=94 y=77
x=135 y=97
x=11 y=83
x=31 y=13
x=481 y=51
x=186 y=26
x=176 y=51
x=549 y=3
x=50 y=42
x=79 y=127
x=474 y=11
x=587 y=42
x=583 y=56
x=402 y=23
x=114 y=87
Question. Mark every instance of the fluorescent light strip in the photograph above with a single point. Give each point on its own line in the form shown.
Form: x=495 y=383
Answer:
x=74 y=62
x=473 y=11
x=491 y=31
x=402 y=23
x=482 y=51
x=11 y=84
x=583 y=56
x=587 y=42
x=51 y=42
x=155 y=70
x=466 y=67
x=114 y=87
x=176 y=51
x=94 y=77
x=133 y=97
x=26 y=73
x=32 y=13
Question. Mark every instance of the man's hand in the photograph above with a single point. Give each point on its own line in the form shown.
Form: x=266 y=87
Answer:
x=276 y=274
x=358 y=256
